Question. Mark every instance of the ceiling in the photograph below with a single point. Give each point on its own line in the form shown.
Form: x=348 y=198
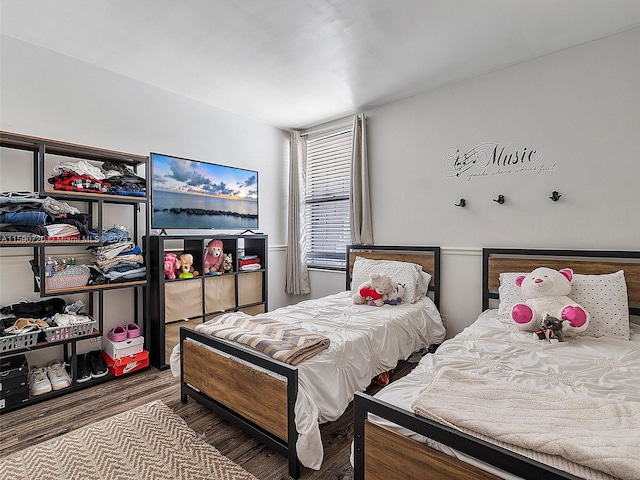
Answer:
x=298 y=63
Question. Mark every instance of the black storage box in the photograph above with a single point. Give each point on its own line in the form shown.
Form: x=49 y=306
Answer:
x=13 y=372
x=15 y=400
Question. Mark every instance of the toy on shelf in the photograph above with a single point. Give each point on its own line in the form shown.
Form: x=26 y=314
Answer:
x=171 y=265
x=186 y=266
x=213 y=257
x=227 y=264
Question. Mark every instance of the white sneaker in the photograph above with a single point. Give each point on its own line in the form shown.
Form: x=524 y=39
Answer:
x=39 y=382
x=58 y=375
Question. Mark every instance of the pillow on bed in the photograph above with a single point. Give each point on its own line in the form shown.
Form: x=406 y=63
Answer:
x=402 y=272
x=603 y=296
x=423 y=284
x=509 y=292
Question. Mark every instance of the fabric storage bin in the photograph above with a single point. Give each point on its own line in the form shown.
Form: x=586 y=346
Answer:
x=183 y=299
x=219 y=293
x=127 y=347
x=249 y=288
x=131 y=363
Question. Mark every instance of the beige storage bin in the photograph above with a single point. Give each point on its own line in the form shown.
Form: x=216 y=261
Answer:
x=249 y=288
x=219 y=293
x=254 y=310
x=183 y=299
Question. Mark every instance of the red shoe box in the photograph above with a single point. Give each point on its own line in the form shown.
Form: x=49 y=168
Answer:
x=124 y=365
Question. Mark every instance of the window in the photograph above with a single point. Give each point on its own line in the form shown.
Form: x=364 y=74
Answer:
x=328 y=176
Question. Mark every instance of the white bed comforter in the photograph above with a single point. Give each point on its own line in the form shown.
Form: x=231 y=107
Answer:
x=493 y=348
x=365 y=341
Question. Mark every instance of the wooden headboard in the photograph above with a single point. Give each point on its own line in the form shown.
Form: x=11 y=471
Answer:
x=586 y=262
x=427 y=257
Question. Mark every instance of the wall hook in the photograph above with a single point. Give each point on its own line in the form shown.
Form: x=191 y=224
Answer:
x=500 y=199
x=462 y=203
x=555 y=196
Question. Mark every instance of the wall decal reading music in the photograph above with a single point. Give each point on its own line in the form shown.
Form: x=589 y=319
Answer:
x=493 y=159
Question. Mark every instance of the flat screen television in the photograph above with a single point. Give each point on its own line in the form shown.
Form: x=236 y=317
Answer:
x=189 y=194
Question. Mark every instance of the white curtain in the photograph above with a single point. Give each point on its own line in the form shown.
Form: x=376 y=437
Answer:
x=361 y=229
x=297 y=278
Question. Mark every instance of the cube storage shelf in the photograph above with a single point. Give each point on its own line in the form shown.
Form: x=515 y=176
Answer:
x=187 y=302
x=44 y=151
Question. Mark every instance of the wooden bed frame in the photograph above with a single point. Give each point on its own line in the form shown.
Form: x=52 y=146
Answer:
x=230 y=388
x=381 y=454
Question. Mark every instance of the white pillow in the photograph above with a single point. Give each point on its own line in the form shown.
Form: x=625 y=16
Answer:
x=423 y=284
x=603 y=296
x=401 y=272
x=509 y=292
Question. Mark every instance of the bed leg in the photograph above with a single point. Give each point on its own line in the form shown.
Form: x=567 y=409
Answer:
x=183 y=395
x=294 y=467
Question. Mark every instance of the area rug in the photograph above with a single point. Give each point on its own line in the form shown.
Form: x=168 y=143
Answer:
x=146 y=443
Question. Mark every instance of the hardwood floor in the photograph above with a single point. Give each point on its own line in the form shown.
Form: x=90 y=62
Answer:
x=48 y=419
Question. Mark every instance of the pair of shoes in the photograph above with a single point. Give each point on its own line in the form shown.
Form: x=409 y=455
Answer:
x=58 y=375
x=83 y=372
x=39 y=382
x=122 y=332
x=96 y=364
x=44 y=379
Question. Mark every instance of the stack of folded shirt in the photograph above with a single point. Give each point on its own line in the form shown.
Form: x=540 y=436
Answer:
x=28 y=218
x=119 y=259
x=123 y=181
x=249 y=262
x=109 y=178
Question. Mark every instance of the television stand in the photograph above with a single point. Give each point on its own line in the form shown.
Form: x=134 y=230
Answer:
x=251 y=231
x=163 y=232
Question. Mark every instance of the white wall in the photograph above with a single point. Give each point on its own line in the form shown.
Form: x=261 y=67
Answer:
x=49 y=95
x=579 y=109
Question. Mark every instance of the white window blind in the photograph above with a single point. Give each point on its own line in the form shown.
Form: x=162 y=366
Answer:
x=328 y=173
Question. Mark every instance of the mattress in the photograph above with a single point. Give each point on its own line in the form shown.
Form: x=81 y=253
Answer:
x=365 y=341
x=493 y=347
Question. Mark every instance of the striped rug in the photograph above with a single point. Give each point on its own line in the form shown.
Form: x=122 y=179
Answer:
x=146 y=443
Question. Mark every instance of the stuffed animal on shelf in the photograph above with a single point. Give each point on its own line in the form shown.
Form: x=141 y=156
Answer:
x=374 y=291
x=227 y=264
x=171 y=264
x=186 y=262
x=213 y=257
x=546 y=291
x=549 y=329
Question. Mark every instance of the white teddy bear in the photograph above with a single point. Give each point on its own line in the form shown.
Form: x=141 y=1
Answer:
x=375 y=291
x=546 y=290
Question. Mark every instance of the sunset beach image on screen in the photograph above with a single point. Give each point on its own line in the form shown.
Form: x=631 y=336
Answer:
x=194 y=194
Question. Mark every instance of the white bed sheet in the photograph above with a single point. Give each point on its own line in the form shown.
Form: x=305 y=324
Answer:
x=365 y=341
x=494 y=347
